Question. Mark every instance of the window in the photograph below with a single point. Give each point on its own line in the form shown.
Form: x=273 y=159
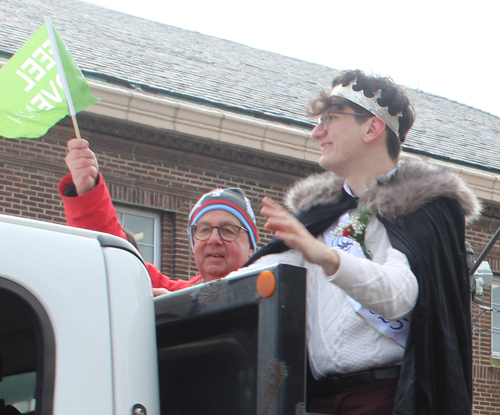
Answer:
x=495 y=317
x=145 y=225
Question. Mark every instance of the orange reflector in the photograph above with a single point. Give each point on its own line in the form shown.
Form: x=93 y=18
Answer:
x=266 y=284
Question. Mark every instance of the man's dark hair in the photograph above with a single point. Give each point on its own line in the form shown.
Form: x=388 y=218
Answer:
x=392 y=96
x=131 y=238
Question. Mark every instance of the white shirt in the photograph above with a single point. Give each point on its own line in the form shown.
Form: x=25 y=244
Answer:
x=338 y=339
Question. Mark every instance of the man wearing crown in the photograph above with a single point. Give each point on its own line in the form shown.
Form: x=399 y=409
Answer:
x=388 y=301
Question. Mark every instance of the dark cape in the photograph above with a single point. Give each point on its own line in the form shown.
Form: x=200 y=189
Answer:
x=424 y=209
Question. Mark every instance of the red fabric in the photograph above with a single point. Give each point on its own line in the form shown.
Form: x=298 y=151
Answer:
x=95 y=211
x=196 y=279
x=162 y=281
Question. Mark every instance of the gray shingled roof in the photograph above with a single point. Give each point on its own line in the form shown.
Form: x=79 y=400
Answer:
x=176 y=62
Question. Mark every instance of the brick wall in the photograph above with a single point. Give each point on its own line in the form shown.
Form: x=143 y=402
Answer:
x=486 y=370
x=29 y=173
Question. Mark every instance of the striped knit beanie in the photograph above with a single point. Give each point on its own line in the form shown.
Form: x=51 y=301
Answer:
x=231 y=200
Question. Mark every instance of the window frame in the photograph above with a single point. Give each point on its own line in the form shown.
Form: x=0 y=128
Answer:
x=150 y=214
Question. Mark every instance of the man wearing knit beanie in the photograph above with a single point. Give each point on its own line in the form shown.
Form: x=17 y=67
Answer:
x=223 y=232
x=222 y=226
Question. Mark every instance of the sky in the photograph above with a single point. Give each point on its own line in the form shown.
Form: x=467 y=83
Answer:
x=445 y=48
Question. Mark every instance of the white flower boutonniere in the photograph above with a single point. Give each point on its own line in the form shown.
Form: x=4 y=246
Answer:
x=355 y=229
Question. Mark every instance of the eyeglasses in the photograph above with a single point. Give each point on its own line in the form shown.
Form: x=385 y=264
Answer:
x=227 y=232
x=324 y=120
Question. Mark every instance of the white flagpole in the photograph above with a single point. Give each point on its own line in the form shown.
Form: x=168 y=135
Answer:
x=62 y=75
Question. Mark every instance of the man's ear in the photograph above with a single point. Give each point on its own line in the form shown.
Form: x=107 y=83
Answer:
x=250 y=253
x=375 y=127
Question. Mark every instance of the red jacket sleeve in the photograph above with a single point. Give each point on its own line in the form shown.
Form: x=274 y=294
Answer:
x=162 y=281
x=95 y=211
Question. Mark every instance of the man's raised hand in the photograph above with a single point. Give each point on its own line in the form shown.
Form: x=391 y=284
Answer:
x=295 y=235
x=82 y=164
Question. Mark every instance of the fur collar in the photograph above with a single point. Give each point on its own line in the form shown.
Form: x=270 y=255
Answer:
x=413 y=184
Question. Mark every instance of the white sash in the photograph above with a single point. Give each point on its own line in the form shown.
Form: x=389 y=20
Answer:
x=397 y=330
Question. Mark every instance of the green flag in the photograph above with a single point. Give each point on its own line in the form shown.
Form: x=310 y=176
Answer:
x=33 y=98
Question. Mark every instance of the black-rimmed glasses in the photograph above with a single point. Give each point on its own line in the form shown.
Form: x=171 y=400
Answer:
x=324 y=120
x=227 y=232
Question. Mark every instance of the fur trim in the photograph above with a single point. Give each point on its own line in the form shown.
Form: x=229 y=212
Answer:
x=413 y=184
x=317 y=189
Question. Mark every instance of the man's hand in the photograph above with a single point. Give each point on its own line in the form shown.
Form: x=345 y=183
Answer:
x=295 y=235
x=82 y=165
x=160 y=291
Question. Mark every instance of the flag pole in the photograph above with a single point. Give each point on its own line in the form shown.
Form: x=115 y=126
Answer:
x=62 y=75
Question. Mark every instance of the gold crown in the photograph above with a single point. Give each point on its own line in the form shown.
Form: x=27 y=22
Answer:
x=369 y=104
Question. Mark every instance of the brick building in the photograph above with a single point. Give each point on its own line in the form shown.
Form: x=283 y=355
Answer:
x=182 y=113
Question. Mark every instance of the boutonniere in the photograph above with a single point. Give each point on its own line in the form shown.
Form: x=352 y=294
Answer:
x=355 y=229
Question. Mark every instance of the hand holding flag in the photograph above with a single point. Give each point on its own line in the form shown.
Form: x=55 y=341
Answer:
x=82 y=164
x=32 y=87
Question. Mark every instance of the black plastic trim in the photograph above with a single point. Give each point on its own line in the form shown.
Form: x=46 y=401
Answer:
x=111 y=241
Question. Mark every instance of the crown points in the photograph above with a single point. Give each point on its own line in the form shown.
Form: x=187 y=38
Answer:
x=369 y=104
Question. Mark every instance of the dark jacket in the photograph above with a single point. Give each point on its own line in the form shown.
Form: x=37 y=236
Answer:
x=424 y=209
